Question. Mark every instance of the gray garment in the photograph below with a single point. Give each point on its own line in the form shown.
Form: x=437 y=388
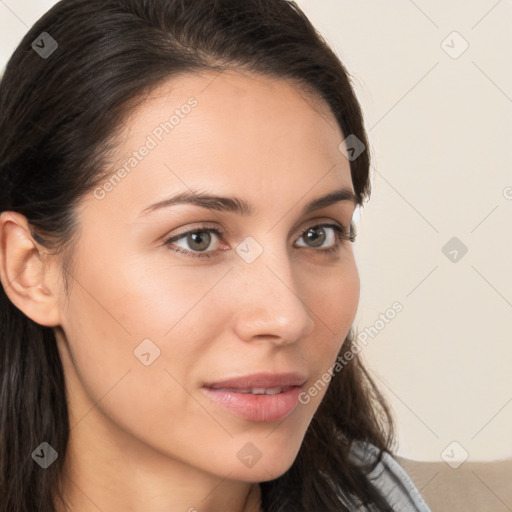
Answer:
x=392 y=480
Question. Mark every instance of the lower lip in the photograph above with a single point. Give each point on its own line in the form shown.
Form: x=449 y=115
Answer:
x=257 y=407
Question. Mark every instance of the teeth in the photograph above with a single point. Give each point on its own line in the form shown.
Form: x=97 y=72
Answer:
x=273 y=391
x=258 y=391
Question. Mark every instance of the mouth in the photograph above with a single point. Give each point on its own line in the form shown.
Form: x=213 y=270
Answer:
x=260 y=397
x=256 y=391
x=258 y=381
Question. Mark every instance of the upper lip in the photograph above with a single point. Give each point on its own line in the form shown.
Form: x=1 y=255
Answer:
x=260 y=380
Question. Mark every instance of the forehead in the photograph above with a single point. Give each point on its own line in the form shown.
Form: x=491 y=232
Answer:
x=232 y=103
x=230 y=133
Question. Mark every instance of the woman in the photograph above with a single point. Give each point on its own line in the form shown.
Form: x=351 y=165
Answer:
x=178 y=184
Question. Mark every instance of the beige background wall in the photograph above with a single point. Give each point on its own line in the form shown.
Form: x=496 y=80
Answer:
x=439 y=117
x=440 y=130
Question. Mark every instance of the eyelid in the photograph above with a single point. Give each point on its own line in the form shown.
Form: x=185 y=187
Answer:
x=223 y=231
x=220 y=231
x=320 y=221
x=201 y=226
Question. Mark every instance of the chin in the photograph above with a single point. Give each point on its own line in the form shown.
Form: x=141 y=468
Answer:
x=264 y=459
x=263 y=472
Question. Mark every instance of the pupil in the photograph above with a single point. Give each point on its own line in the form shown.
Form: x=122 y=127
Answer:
x=194 y=238
x=319 y=241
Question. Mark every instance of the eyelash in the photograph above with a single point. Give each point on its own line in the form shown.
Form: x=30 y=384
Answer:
x=341 y=236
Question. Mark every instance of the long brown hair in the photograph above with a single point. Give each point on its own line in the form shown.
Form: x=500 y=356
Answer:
x=59 y=114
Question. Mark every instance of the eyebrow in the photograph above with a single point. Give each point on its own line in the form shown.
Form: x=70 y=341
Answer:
x=241 y=206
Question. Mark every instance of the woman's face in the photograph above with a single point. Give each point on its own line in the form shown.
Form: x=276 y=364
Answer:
x=148 y=331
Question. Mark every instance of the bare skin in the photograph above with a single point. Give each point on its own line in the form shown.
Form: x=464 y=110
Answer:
x=147 y=437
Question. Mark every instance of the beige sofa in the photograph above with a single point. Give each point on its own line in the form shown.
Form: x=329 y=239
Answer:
x=472 y=487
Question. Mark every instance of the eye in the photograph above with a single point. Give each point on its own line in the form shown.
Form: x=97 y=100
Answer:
x=199 y=240
x=333 y=234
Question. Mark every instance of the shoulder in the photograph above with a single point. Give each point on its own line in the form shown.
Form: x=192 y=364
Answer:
x=390 y=478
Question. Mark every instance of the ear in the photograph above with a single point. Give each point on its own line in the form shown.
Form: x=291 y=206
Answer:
x=26 y=276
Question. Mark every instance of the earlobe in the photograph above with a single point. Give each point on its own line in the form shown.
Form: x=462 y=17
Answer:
x=26 y=279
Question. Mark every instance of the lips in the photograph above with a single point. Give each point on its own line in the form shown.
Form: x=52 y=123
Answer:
x=256 y=391
x=259 y=381
x=258 y=397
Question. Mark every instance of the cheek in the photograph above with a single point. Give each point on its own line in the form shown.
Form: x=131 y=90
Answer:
x=111 y=385
x=334 y=307
x=119 y=320
x=158 y=297
x=333 y=299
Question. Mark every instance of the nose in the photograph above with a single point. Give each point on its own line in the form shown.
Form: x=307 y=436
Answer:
x=268 y=304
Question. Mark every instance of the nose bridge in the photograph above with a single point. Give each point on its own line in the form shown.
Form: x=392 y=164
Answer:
x=269 y=301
